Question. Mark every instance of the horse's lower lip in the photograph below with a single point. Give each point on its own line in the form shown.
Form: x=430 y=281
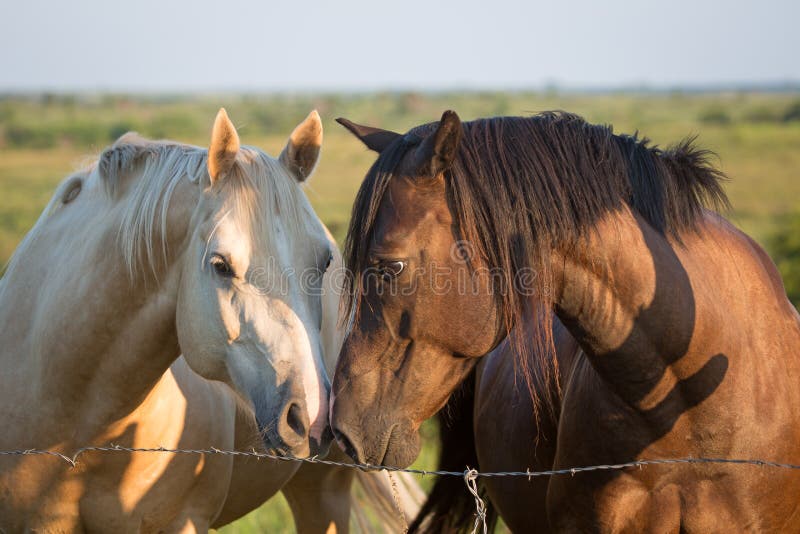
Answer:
x=401 y=446
x=387 y=443
x=380 y=457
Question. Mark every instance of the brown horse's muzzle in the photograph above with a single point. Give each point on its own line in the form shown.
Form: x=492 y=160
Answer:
x=377 y=439
x=376 y=404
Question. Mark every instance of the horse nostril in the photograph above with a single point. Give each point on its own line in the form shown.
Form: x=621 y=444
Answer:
x=346 y=445
x=295 y=420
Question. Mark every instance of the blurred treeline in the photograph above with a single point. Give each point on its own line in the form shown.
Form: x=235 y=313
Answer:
x=48 y=120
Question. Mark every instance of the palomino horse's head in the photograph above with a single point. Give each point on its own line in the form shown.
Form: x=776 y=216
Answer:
x=223 y=244
x=249 y=304
x=421 y=315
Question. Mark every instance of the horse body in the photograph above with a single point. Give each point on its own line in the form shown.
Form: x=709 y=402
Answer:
x=688 y=344
x=709 y=385
x=141 y=257
x=595 y=424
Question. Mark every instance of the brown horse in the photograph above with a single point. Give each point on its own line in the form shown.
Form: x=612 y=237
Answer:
x=464 y=233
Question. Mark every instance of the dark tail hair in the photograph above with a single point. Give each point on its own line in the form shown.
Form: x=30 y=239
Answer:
x=450 y=508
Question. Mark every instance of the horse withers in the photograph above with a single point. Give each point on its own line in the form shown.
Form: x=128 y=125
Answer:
x=160 y=249
x=466 y=234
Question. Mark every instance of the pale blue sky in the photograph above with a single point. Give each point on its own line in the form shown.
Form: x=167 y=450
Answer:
x=207 y=45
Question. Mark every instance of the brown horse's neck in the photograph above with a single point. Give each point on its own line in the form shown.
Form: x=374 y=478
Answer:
x=626 y=298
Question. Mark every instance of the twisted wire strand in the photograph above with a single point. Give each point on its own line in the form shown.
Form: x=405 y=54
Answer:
x=470 y=476
x=470 y=479
x=73 y=460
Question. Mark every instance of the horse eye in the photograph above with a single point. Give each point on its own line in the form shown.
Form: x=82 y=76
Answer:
x=221 y=266
x=391 y=269
x=330 y=260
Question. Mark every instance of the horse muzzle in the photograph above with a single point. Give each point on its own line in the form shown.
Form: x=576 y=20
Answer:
x=288 y=432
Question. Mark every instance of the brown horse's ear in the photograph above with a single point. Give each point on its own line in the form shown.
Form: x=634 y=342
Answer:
x=224 y=146
x=375 y=138
x=302 y=150
x=437 y=152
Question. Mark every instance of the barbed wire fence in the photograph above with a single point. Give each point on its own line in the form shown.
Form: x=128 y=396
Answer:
x=469 y=474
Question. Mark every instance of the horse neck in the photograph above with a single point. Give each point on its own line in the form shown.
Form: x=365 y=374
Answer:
x=625 y=296
x=83 y=341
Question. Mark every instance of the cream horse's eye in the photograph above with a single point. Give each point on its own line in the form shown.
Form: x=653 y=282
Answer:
x=221 y=266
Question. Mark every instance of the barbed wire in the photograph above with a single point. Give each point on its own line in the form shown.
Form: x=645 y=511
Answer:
x=468 y=475
x=73 y=460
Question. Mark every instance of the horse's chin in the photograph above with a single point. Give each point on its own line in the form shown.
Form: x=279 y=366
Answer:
x=402 y=448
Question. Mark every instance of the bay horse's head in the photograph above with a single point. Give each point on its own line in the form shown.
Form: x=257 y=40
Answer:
x=243 y=258
x=423 y=307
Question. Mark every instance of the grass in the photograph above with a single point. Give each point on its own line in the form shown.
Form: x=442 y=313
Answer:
x=43 y=138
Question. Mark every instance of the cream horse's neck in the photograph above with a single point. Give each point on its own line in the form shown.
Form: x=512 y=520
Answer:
x=81 y=341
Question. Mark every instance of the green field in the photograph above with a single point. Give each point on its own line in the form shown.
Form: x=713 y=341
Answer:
x=42 y=138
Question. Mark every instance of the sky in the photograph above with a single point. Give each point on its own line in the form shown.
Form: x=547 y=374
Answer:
x=364 y=45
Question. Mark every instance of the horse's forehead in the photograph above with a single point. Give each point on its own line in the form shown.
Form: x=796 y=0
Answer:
x=229 y=233
x=258 y=237
x=405 y=207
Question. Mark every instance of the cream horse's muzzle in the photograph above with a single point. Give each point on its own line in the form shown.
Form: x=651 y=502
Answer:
x=286 y=429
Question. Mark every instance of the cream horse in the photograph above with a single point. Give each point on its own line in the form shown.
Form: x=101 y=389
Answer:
x=156 y=250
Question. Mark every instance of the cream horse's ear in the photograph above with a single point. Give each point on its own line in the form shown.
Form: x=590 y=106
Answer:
x=302 y=150
x=224 y=146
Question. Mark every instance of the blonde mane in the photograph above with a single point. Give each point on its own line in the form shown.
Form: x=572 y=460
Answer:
x=143 y=175
x=261 y=188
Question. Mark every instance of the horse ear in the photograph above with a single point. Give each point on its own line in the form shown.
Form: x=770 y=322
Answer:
x=302 y=150
x=224 y=146
x=375 y=138
x=438 y=151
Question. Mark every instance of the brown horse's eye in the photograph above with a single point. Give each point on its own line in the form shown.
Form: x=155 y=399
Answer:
x=221 y=266
x=391 y=269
